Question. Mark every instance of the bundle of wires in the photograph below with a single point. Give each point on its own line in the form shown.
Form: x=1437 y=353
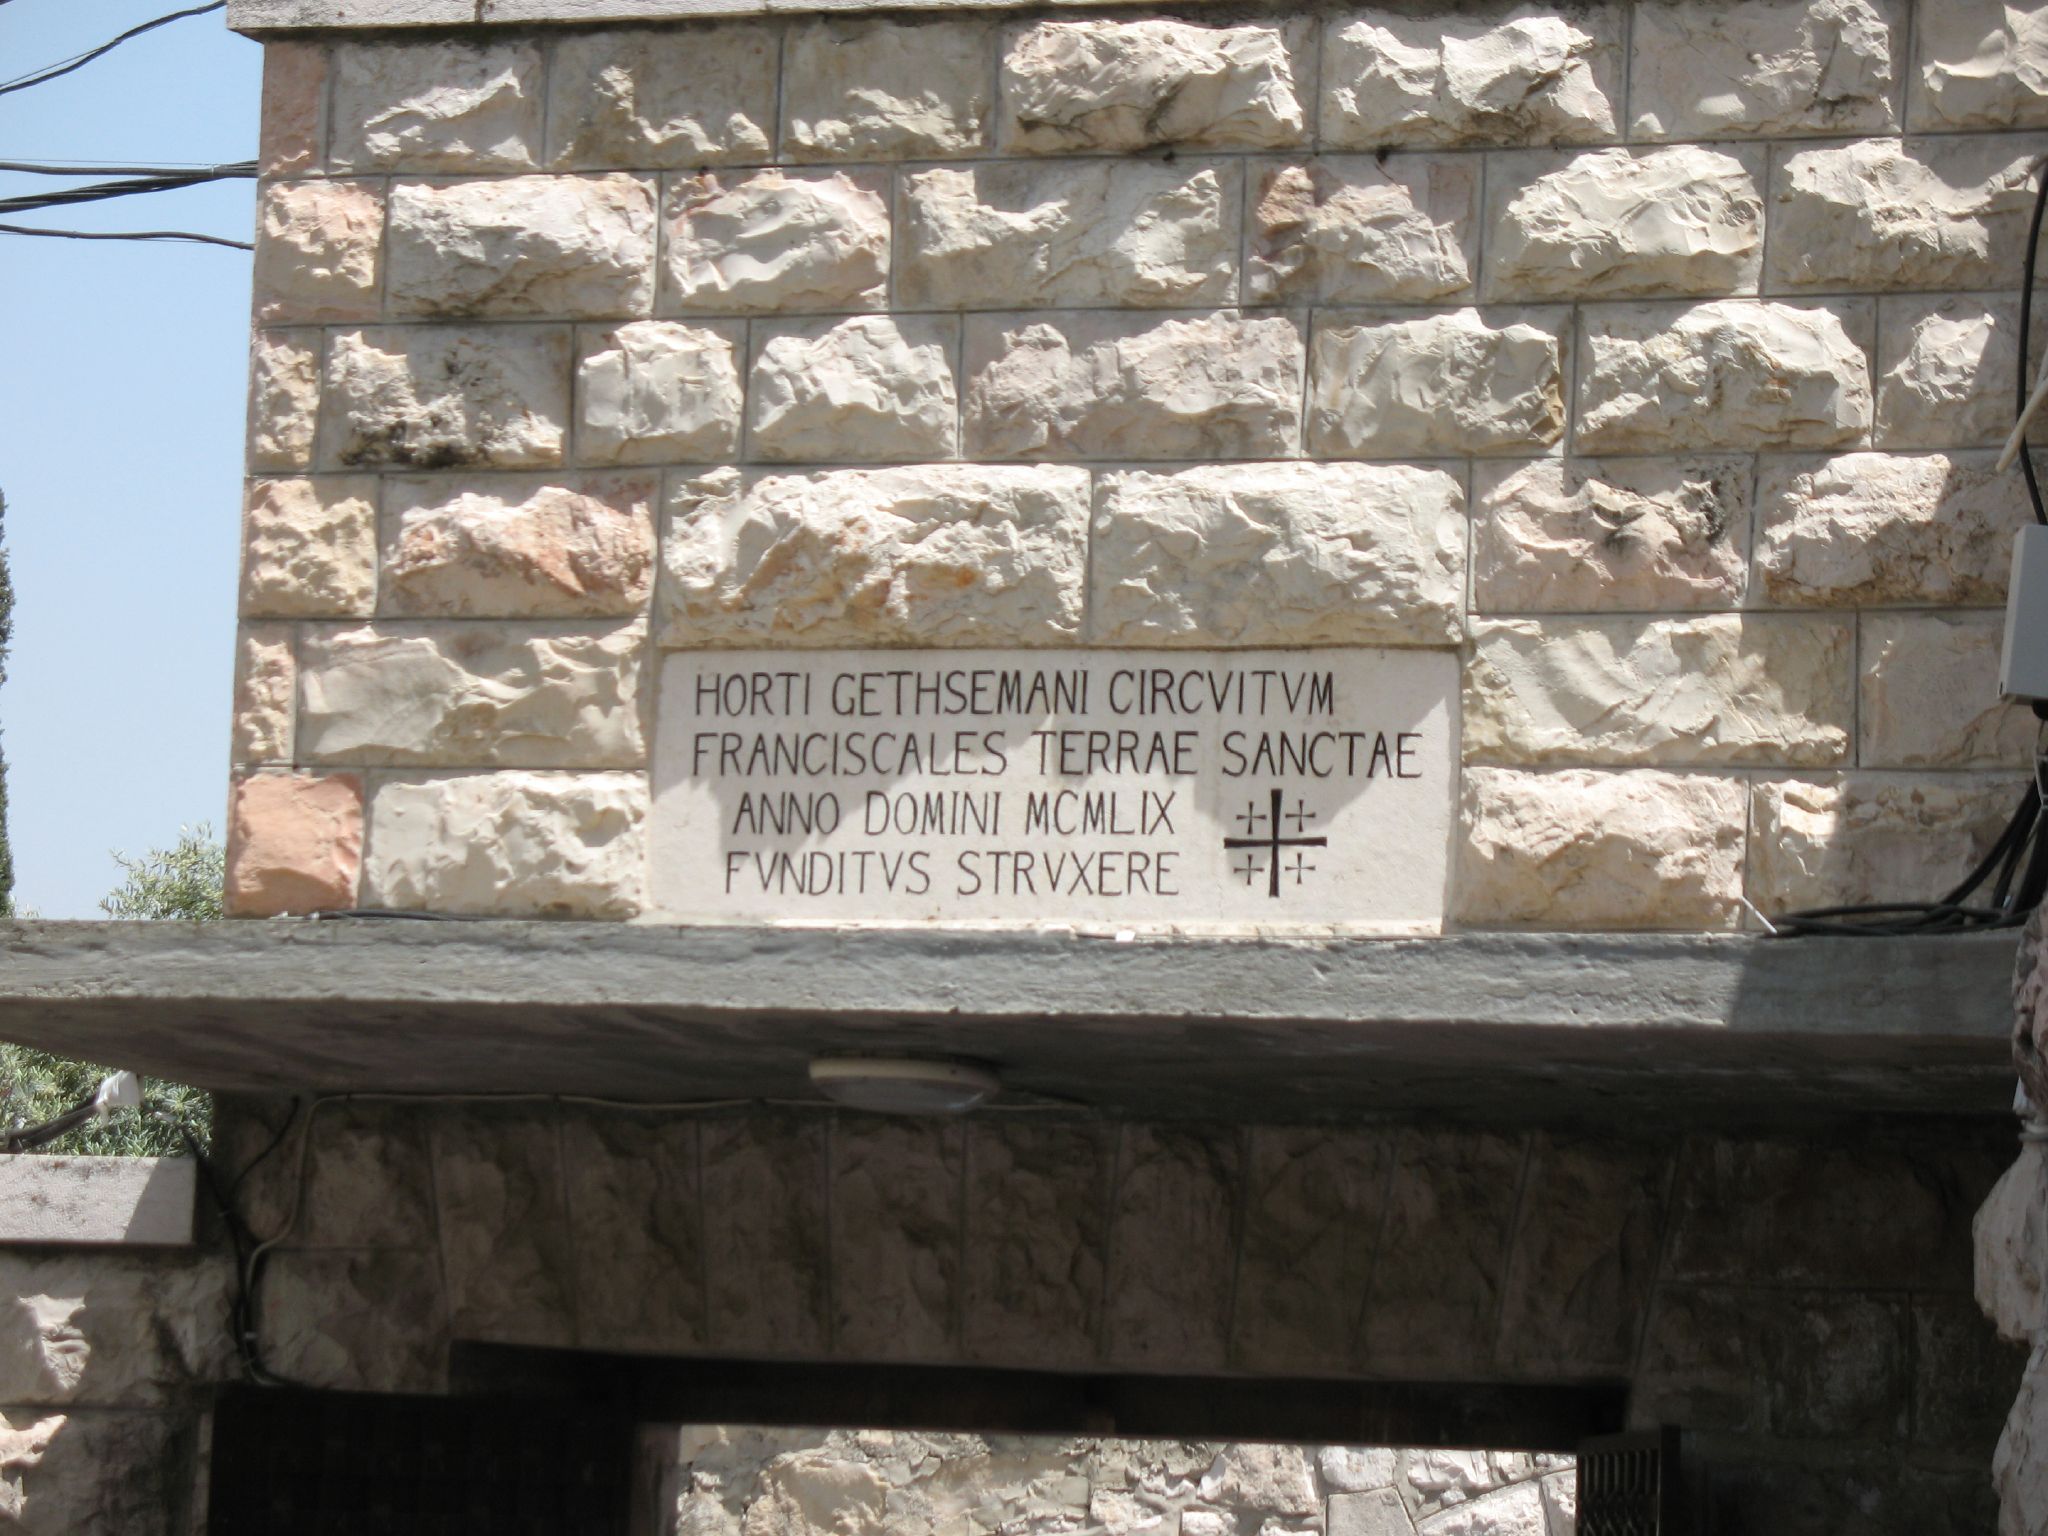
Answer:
x=2012 y=877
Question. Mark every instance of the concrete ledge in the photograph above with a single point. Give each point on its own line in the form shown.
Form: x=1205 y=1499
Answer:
x=96 y=1200
x=263 y=16
x=1531 y=1026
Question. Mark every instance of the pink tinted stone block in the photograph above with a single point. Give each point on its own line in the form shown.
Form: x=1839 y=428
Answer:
x=295 y=843
x=294 y=102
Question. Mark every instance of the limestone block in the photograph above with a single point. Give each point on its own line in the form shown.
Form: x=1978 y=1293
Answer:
x=523 y=247
x=1964 y=1378
x=295 y=843
x=309 y=548
x=1219 y=386
x=1979 y=64
x=896 y=1219
x=317 y=246
x=1871 y=528
x=502 y=548
x=654 y=392
x=471 y=695
x=662 y=98
x=501 y=1199
x=1708 y=69
x=775 y=240
x=1867 y=837
x=1355 y=1468
x=1312 y=1217
x=1930 y=694
x=1265 y=1479
x=1435 y=385
x=1561 y=1503
x=1925 y=213
x=636 y=1222
x=1036 y=1240
x=1513 y=1511
x=510 y=844
x=1533 y=74
x=2010 y=1238
x=95 y=1470
x=855 y=88
x=1377 y=1513
x=1614 y=535
x=1171 y=1264
x=2020 y=1466
x=941 y=554
x=1279 y=554
x=367 y=1180
x=1584 y=849
x=1614 y=223
x=873 y=387
x=1714 y=689
x=1730 y=374
x=23 y=1445
x=450 y=105
x=1081 y=232
x=108 y=1328
x=1344 y=229
x=356 y=1320
x=293 y=126
x=766 y=1231
x=1939 y=364
x=284 y=399
x=1451 y=1476
x=439 y=397
x=1120 y=85
x=265 y=681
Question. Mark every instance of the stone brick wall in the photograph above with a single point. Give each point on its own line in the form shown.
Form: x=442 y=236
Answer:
x=1651 y=356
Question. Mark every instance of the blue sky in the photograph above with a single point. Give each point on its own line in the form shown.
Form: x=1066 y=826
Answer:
x=121 y=412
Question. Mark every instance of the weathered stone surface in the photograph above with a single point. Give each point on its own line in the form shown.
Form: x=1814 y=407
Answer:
x=1441 y=1475
x=523 y=247
x=1442 y=384
x=294 y=119
x=1312 y=1218
x=519 y=548
x=662 y=98
x=1615 y=222
x=1128 y=85
x=1731 y=375
x=1036 y=1234
x=1354 y=1468
x=1707 y=70
x=1980 y=64
x=1514 y=1511
x=23 y=1444
x=857 y=88
x=1219 y=386
x=1561 y=1503
x=1836 y=1366
x=265 y=680
x=1279 y=554
x=1719 y=688
x=1170 y=1266
x=634 y=1214
x=1964 y=1378
x=1361 y=230
x=767 y=1257
x=1271 y=1479
x=1870 y=528
x=472 y=696
x=367 y=1179
x=1081 y=232
x=1531 y=75
x=436 y=397
x=1584 y=849
x=1378 y=1513
x=510 y=844
x=773 y=240
x=655 y=392
x=896 y=1218
x=1870 y=837
x=284 y=399
x=95 y=1470
x=436 y=106
x=940 y=554
x=503 y=1216
x=1926 y=213
x=2020 y=1466
x=2010 y=1237
x=355 y=1320
x=309 y=548
x=873 y=387
x=110 y=1329
x=1615 y=535
x=295 y=843
x=1930 y=694
x=317 y=248
x=1939 y=362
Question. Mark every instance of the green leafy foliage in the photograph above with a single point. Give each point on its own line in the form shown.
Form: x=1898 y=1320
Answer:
x=182 y=881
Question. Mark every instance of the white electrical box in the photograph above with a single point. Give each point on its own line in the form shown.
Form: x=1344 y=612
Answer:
x=2023 y=668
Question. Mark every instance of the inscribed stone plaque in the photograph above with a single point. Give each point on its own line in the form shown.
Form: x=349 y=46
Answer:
x=1203 y=788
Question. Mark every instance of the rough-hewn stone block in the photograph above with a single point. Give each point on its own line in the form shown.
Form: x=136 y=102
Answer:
x=1616 y=223
x=655 y=392
x=523 y=247
x=502 y=1209
x=109 y=1328
x=1619 y=535
x=2009 y=1236
x=1073 y=232
x=1279 y=554
x=1717 y=689
x=873 y=387
x=1221 y=386
x=1940 y=363
x=857 y=88
x=1867 y=837
x=317 y=251
x=437 y=397
x=1930 y=694
x=767 y=1246
x=1872 y=528
x=519 y=547
x=266 y=681
x=635 y=1213
x=1435 y=385
x=284 y=399
x=1963 y=1378
x=772 y=240
x=1341 y=229
x=941 y=554
x=662 y=98
x=471 y=695
x=1507 y=1511
x=1171 y=1265
x=436 y=106
x=1979 y=64
x=1585 y=849
x=510 y=844
x=292 y=132
x=1379 y=1512
x=896 y=1218
x=1731 y=375
x=1708 y=69
x=309 y=548
x=355 y=1320
x=295 y=843
x=1037 y=1229
x=1111 y=84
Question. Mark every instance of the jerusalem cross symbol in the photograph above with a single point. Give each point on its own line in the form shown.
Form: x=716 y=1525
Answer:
x=1250 y=868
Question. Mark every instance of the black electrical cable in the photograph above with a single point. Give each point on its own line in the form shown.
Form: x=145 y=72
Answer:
x=68 y=168
x=131 y=234
x=2026 y=382
x=79 y=60
x=101 y=191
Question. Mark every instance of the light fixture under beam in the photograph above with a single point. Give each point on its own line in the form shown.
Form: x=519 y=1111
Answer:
x=903 y=1085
